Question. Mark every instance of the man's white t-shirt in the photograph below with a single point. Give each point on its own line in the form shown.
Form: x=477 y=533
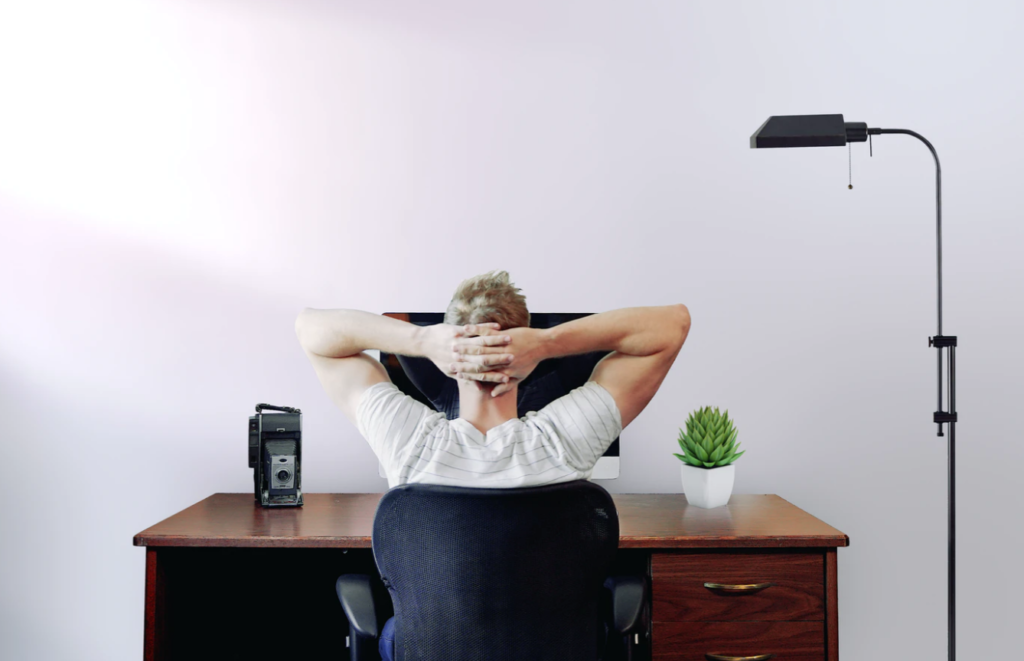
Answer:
x=559 y=443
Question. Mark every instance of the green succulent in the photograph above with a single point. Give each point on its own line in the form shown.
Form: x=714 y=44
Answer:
x=709 y=440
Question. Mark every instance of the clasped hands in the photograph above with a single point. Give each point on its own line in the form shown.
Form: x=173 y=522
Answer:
x=483 y=352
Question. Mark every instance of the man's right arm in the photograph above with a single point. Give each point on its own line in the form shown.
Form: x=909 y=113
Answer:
x=644 y=342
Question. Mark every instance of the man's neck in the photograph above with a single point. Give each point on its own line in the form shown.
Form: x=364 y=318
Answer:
x=477 y=407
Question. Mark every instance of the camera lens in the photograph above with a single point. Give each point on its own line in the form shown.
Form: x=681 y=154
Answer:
x=283 y=475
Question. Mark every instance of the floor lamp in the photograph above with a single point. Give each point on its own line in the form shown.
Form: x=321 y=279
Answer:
x=832 y=131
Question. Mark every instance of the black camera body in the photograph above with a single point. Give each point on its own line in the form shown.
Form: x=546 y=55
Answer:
x=275 y=455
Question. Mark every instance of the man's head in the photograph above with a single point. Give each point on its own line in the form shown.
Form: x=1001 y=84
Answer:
x=488 y=298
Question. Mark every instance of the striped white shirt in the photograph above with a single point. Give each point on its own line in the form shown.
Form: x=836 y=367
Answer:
x=559 y=443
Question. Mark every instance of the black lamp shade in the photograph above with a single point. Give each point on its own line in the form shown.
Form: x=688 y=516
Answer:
x=807 y=131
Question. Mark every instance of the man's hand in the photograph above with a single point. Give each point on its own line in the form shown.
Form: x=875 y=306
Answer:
x=479 y=347
x=526 y=347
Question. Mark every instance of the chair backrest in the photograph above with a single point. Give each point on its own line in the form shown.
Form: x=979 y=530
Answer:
x=496 y=574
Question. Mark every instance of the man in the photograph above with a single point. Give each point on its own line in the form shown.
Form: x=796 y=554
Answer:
x=487 y=346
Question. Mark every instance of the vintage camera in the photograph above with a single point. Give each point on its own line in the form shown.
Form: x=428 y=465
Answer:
x=275 y=455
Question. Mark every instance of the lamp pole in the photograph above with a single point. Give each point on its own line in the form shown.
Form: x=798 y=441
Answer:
x=941 y=341
x=830 y=131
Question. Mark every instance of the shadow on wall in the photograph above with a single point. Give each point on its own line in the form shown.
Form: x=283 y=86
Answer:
x=118 y=361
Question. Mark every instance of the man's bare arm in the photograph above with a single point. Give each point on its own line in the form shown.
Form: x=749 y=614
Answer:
x=644 y=342
x=335 y=339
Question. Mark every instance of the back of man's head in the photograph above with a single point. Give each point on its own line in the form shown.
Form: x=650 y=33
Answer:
x=490 y=297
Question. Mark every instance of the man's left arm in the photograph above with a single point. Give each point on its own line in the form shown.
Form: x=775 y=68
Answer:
x=334 y=341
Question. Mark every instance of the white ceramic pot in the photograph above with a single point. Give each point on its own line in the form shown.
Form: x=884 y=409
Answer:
x=708 y=487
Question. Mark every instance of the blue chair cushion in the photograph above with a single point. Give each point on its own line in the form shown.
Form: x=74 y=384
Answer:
x=386 y=645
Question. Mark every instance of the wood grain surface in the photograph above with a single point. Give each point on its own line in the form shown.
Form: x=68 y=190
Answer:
x=832 y=591
x=690 y=641
x=154 y=640
x=797 y=591
x=346 y=521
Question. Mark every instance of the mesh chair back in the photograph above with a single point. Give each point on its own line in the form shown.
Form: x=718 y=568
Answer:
x=496 y=574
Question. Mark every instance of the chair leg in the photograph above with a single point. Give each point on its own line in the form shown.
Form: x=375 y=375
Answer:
x=362 y=648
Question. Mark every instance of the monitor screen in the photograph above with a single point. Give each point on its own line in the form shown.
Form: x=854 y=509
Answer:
x=420 y=379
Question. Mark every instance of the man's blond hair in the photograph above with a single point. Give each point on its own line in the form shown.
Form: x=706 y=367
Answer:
x=490 y=297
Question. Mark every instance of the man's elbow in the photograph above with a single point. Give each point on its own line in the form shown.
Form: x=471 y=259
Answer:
x=681 y=322
x=301 y=325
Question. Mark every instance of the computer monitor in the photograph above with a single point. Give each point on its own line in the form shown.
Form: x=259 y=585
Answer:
x=420 y=379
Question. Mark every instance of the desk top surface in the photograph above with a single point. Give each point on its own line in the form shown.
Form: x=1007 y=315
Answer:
x=345 y=520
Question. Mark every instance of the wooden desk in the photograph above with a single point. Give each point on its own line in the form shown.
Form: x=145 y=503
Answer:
x=228 y=579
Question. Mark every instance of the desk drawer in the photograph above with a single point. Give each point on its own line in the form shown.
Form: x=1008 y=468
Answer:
x=691 y=641
x=797 y=590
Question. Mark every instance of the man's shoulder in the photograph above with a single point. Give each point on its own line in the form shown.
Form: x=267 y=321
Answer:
x=375 y=393
x=589 y=392
x=385 y=399
x=591 y=401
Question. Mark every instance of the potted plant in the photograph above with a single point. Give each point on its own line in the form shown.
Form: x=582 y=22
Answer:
x=709 y=448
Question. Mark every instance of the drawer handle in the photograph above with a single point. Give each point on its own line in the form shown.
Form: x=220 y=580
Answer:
x=722 y=657
x=744 y=588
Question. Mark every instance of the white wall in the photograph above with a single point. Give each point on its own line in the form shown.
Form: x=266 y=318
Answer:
x=179 y=179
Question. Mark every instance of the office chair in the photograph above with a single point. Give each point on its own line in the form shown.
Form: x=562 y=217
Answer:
x=497 y=575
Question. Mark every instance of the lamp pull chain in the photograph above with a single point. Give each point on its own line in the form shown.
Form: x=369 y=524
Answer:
x=871 y=151
x=850 y=150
